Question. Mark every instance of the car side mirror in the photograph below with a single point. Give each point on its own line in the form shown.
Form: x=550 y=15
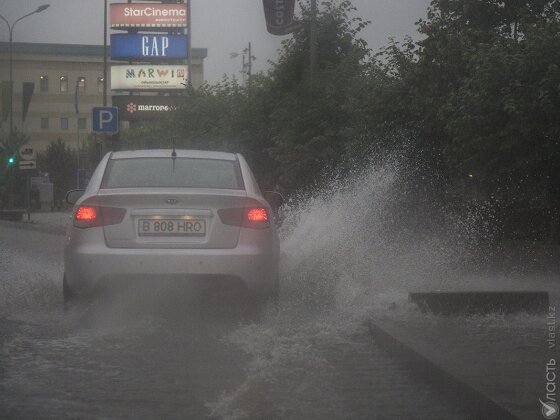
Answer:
x=274 y=199
x=73 y=196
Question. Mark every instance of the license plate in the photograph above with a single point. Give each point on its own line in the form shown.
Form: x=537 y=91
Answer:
x=163 y=227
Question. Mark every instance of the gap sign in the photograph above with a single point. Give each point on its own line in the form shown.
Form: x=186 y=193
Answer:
x=148 y=46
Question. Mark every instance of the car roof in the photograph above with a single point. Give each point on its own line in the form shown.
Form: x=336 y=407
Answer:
x=182 y=153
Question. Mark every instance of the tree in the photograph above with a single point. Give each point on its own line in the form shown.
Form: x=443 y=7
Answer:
x=60 y=162
x=504 y=120
x=481 y=91
x=316 y=123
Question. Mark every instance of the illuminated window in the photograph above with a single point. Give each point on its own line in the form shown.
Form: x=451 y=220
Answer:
x=44 y=123
x=100 y=84
x=63 y=84
x=81 y=83
x=44 y=83
x=64 y=123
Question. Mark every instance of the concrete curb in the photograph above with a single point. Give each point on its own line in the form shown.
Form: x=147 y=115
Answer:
x=55 y=230
x=481 y=302
x=478 y=404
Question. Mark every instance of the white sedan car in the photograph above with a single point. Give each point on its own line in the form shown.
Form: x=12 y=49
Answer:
x=154 y=215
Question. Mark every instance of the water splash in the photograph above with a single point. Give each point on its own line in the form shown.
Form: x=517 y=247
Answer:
x=371 y=235
x=350 y=250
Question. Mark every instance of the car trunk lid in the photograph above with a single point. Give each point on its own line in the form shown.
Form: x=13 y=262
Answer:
x=172 y=218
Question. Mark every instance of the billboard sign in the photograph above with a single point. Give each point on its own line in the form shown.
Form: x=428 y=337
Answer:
x=279 y=15
x=148 y=46
x=140 y=108
x=145 y=16
x=148 y=77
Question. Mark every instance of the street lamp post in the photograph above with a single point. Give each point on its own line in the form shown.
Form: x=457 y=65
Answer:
x=11 y=83
x=11 y=61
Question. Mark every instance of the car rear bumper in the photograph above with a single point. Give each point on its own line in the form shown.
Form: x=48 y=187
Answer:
x=92 y=264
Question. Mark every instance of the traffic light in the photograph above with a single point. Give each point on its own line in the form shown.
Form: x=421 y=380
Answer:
x=11 y=160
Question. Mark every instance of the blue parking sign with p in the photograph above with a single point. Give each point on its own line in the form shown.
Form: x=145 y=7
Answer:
x=105 y=119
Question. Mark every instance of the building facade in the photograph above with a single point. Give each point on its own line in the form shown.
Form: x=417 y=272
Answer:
x=57 y=71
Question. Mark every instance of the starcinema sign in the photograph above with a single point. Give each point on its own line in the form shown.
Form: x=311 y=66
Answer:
x=140 y=108
x=148 y=77
x=152 y=15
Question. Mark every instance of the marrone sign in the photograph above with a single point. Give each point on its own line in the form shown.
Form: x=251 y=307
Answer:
x=141 y=108
x=152 y=15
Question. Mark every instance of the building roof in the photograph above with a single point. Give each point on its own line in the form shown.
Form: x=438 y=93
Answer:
x=71 y=49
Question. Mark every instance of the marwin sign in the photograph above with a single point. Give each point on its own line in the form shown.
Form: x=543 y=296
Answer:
x=146 y=77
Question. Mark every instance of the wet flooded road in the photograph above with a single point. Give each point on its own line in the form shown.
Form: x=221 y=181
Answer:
x=108 y=360
x=141 y=369
x=171 y=360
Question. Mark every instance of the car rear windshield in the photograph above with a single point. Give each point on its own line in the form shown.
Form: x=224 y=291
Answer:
x=172 y=173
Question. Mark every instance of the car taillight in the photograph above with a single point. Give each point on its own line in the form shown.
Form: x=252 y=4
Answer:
x=253 y=217
x=257 y=215
x=86 y=214
x=92 y=216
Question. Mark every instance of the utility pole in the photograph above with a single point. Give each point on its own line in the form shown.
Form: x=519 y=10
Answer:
x=105 y=54
x=106 y=141
x=313 y=40
x=189 y=41
x=243 y=70
x=248 y=68
x=250 y=65
x=77 y=131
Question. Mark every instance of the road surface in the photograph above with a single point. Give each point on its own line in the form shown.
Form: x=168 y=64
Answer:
x=179 y=358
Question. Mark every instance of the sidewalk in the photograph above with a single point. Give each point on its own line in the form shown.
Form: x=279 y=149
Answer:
x=50 y=222
x=495 y=364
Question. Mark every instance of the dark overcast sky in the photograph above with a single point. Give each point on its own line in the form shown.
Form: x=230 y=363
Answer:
x=222 y=26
